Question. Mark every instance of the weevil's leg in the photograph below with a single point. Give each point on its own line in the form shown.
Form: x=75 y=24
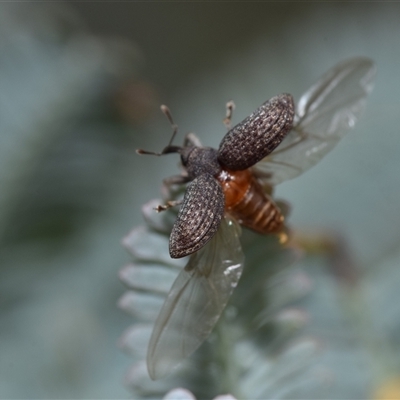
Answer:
x=169 y=191
x=284 y=206
x=230 y=106
x=176 y=180
x=169 y=204
x=169 y=148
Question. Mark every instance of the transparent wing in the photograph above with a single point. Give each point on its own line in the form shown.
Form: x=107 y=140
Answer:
x=324 y=114
x=196 y=300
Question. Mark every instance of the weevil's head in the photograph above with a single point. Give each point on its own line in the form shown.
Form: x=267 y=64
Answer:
x=200 y=160
x=196 y=159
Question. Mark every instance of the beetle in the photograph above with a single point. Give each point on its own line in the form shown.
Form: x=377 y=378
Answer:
x=231 y=186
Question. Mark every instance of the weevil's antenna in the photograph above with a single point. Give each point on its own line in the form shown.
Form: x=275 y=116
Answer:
x=230 y=106
x=167 y=113
x=169 y=148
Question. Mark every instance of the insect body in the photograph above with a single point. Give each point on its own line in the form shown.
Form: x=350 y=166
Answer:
x=223 y=180
x=232 y=183
x=247 y=201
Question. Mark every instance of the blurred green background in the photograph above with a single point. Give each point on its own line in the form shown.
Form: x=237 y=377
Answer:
x=80 y=88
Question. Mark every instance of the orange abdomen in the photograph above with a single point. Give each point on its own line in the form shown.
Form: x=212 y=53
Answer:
x=248 y=203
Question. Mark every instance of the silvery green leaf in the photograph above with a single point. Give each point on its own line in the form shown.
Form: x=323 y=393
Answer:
x=135 y=339
x=138 y=380
x=145 y=244
x=288 y=286
x=291 y=319
x=256 y=306
x=183 y=394
x=273 y=271
x=265 y=378
x=151 y=277
x=179 y=394
x=159 y=221
x=142 y=305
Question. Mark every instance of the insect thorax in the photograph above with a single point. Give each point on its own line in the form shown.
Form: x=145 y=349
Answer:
x=200 y=160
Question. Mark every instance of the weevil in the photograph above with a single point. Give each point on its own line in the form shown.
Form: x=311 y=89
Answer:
x=232 y=185
x=222 y=180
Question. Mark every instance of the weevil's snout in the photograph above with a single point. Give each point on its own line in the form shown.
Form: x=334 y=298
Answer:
x=185 y=155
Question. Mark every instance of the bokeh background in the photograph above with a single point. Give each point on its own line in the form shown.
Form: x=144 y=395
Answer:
x=80 y=88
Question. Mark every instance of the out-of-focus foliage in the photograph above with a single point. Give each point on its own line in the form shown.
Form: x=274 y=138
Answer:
x=252 y=352
x=389 y=390
x=60 y=141
x=64 y=150
x=183 y=394
x=314 y=329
